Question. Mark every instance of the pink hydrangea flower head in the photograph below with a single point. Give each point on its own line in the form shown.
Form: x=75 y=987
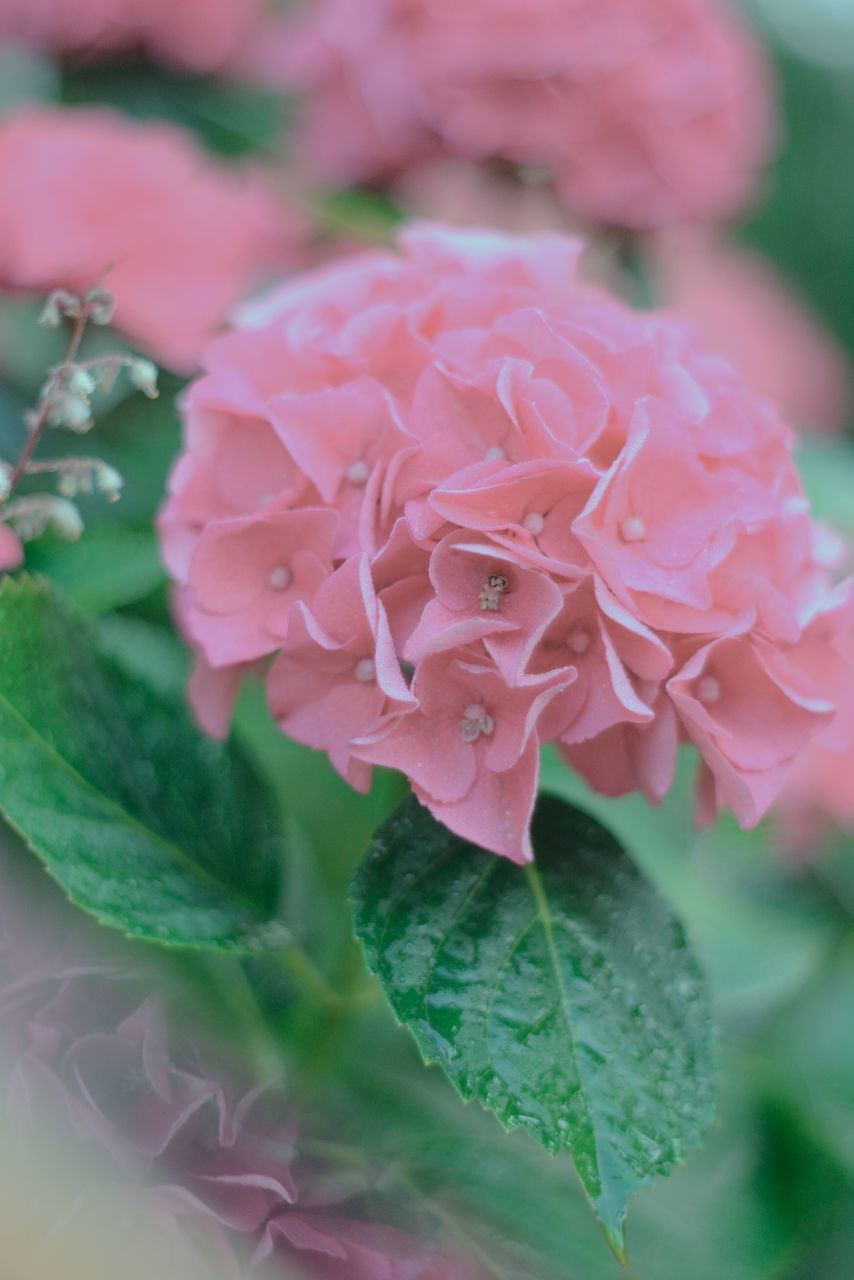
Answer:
x=89 y=197
x=469 y=504
x=646 y=112
x=741 y=308
x=195 y=35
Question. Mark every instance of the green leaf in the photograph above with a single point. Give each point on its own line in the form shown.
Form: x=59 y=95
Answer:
x=109 y=567
x=561 y=995
x=356 y=211
x=147 y=824
x=229 y=118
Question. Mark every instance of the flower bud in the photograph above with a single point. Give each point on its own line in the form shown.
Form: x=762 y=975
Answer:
x=108 y=481
x=51 y=316
x=60 y=303
x=143 y=376
x=80 y=382
x=75 y=414
x=67 y=484
x=65 y=519
x=101 y=305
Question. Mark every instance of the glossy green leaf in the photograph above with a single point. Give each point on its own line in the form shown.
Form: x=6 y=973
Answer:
x=146 y=823
x=561 y=995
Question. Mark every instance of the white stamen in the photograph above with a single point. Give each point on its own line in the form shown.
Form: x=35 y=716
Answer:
x=534 y=523
x=365 y=670
x=280 y=578
x=495 y=454
x=476 y=721
x=708 y=690
x=632 y=529
x=358 y=472
x=579 y=640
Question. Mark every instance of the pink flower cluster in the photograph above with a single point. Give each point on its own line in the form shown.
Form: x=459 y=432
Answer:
x=196 y=35
x=87 y=196
x=646 y=111
x=473 y=505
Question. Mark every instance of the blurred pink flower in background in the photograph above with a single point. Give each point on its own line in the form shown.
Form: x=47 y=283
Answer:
x=195 y=35
x=646 y=112
x=561 y=518
x=88 y=197
x=207 y=1161
x=11 y=551
x=820 y=788
x=741 y=308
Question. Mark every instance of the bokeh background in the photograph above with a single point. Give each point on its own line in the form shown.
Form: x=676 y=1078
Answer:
x=381 y=1150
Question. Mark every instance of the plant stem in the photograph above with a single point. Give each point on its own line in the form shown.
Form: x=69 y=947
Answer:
x=231 y=981
x=312 y=982
x=43 y=408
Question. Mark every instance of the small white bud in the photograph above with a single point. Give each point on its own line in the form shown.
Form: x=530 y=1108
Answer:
x=51 y=316
x=66 y=484
x=30 y=517
x=143 y=376
x=65 y=519
x=60 y=303
x=5 y=481
x=108 y=481
x=75 y=415
x=101 y=305
x=80 y=382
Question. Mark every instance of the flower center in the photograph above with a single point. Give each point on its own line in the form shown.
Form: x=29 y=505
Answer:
x=476 y=721
x=495 y=454
x=632 y=529
x=708 y=690
x=358 y=472
x=579 y=640
x=365 y=670
x=493 y=589
x=534 y=523
x=280 y=578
